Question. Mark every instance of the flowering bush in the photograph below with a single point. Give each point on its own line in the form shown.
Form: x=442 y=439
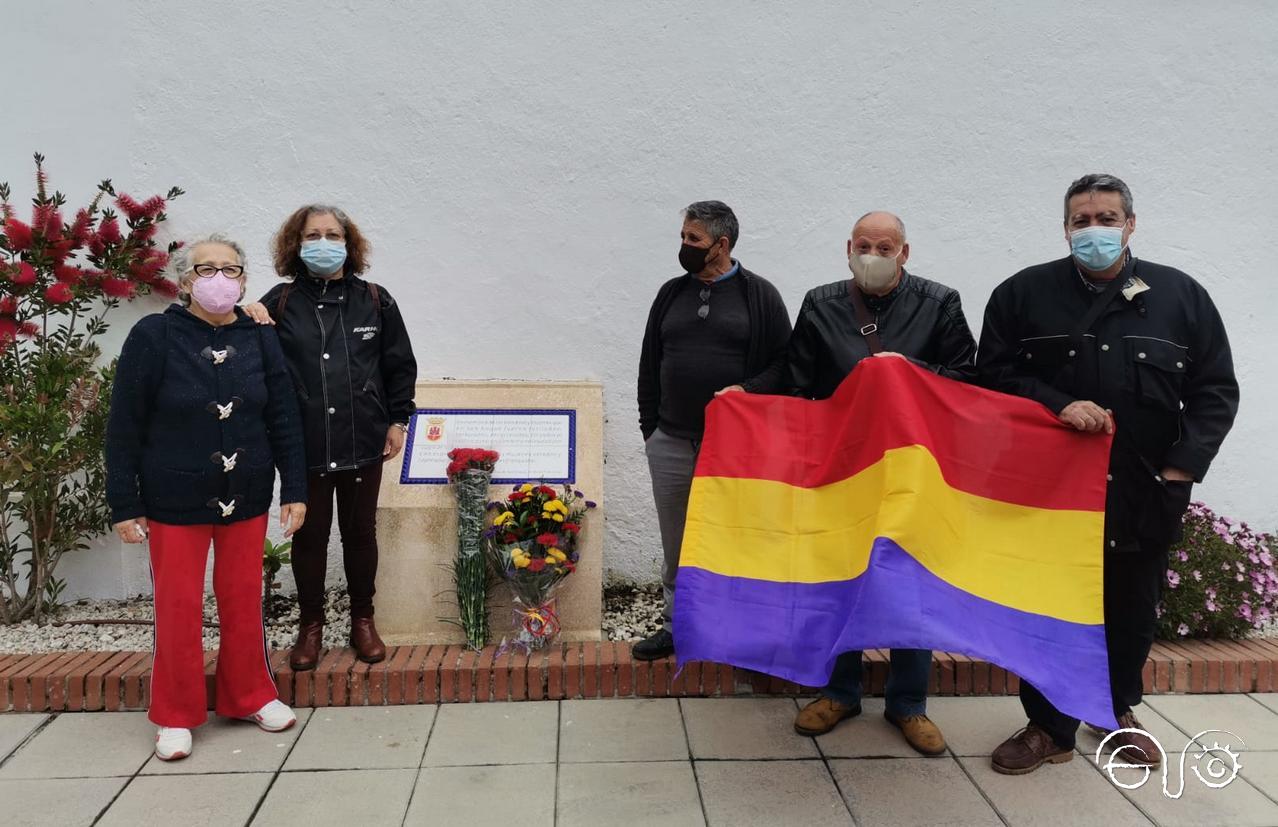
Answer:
x=1221 y=580
x=58 y=281
x=533 y=547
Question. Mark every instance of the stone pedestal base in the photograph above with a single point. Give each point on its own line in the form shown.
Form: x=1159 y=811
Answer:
x=417 y=524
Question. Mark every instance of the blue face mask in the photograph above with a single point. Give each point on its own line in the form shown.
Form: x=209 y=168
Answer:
x=323 y=257
x=1096 y=248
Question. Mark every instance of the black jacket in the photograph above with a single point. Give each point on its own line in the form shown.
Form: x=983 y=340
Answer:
x=919 y=319
x=352 y=366
x=172 y=455
x=765 y=359
x=1160 y=361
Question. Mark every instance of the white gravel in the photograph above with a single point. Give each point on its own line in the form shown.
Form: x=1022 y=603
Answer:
x=630 y=613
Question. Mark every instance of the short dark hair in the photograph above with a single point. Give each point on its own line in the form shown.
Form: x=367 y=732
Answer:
x=1099 y=182
x=717 y=217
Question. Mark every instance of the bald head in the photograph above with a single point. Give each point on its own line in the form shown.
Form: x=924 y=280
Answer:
x=879 y=222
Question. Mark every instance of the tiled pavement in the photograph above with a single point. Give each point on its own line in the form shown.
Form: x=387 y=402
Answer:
x=669 y=762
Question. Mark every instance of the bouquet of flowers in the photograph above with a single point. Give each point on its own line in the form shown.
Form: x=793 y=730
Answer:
x=469 y=472
x=533 y=547
x=1222 y=579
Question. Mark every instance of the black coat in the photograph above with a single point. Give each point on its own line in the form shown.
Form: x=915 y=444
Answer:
x=919 y=319
x=765 y=357
x=1160 y=361
x=352 y=366
x=171 y=454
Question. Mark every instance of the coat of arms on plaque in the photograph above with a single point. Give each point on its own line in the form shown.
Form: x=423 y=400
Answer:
x=434 y=428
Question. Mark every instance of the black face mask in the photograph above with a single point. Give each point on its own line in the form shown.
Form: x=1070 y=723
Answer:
x=693 y=259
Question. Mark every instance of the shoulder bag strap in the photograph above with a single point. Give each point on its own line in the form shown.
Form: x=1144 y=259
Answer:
x=869 y=328
x=279 y=306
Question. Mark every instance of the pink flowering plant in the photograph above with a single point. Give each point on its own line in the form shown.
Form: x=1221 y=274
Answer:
x=1221 y=579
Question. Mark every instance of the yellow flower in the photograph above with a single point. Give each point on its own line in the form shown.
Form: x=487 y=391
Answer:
x=556 y=554
x=504 y=517
x=526 y=487
x=559 y=518
x=520 y=562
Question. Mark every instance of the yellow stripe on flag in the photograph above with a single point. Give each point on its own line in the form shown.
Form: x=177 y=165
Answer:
x=1036 y=560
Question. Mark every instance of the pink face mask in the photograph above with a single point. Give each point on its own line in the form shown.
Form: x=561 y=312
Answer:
x=216 y=294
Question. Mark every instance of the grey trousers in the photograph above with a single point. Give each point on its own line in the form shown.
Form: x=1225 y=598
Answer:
x=671 y=462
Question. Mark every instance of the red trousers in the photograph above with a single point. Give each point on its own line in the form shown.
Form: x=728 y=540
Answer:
x=245 y=684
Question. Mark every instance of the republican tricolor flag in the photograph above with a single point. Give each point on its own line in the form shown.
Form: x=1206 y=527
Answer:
x=907 y=511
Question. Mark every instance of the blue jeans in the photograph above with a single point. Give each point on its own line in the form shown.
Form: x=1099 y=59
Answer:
x=906 y=689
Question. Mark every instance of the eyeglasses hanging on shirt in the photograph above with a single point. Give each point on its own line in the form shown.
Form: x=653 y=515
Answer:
x=704 y=310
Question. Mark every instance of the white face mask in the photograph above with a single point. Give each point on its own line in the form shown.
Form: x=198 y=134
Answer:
x=872 y=273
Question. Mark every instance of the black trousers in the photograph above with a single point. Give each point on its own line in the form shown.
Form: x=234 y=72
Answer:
x=1133 y=585
x=356 y=493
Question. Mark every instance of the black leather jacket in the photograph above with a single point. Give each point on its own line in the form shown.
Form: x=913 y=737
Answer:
x=1160 y=361
x=920 y=319
x=352 y=365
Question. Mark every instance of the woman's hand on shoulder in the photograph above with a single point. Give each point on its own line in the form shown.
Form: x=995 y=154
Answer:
x=257 y=312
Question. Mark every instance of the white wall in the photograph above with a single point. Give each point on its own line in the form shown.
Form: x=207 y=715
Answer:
x=521 y=168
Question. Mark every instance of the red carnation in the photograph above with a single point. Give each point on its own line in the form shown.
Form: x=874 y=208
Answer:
x=68 y=274
x=517 y=497
x=109 y=232
x=508 y=538
x=19 y=235
x=117 y=288
x=59 y=293
x=571 y=528
x=536 y=564
x=26 y=275
x=546 y=491
x=548 y=539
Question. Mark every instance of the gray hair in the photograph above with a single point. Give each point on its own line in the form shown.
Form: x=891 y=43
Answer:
x=1100 y=183
x=717 y=217
x=900 y=225
x=182 y=267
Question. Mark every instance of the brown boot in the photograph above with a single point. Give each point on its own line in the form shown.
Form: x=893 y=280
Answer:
x=920 y=733
x=823 y=715
x=306 y=651
x=1028 y=750
x=368 y=646
x=1140 y=748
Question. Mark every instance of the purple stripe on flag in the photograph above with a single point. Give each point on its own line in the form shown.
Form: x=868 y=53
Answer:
x=796 y=630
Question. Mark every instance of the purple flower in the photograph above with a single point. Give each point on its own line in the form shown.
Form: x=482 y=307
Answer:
x=1198 y=575
x=579 y=495
x=1182 y=630
x=591 y=504
x=1173 y=579
x=1184 y=557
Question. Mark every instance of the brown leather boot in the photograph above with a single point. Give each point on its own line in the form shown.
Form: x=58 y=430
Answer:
x=1140 y=748
x=1028 y=750
x=306 y=651
x=823 y=715
x=920 y=733
x=368 y=646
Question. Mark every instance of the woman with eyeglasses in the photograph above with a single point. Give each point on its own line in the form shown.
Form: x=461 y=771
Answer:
x=202 y=414
x=355 y=374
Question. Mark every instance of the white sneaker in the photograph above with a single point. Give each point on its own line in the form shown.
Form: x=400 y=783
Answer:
x=172 y=743
x=274 y=717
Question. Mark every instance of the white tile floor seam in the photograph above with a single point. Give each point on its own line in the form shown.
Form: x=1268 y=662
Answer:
x=665 y=761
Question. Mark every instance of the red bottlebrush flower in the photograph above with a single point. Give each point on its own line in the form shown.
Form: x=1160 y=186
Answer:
x=47 y=220
x=81 y=228
x=165 y=288
x=548 y=539
x=117 y=288
x=536 y=564
x=571 y=528
x=28 y=329
x=109 y=232
x=59 y=293
x=145 y=231
x=153 y=206
x=25 y=276
x=129 y=206
x=20 y=236
x=8 y=306
x=8 y=332
x=66 y=273
x=59 y=250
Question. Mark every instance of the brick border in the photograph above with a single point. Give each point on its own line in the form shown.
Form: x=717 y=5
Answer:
x=92 y=681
